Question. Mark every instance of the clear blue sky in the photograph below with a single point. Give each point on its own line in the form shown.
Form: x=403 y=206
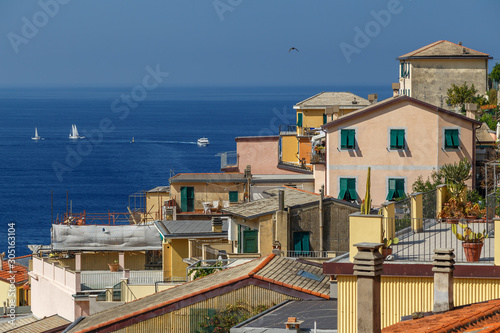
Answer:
x=228 y=42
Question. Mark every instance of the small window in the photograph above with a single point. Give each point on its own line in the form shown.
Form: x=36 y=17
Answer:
x=347 y=189
x=397 y=139
x=451 y=139
x=396 y=189
x=324 y=118
x=347 y=139
x=299 y=119
x=309 y=275
x=233 y=196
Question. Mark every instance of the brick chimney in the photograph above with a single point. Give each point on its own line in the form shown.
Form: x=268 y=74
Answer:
x=443 y=279
x=216 y=224
x=368 y=266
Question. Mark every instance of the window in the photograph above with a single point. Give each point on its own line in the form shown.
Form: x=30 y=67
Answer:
x=347 y=189
x=301 y=242
x=347 y=139
x=324 y=118
x=233 y=196
x=397 y=139
x=396 y=189
x=451 y=140
x=299 y=119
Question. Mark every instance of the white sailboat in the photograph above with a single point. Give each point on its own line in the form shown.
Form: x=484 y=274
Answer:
x=74 y=133
x=36 y=137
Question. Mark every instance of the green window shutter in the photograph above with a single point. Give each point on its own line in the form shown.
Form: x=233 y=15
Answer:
x=324 y=118
x=343 y=139
x=392 y=189
x=233 y=196
x=401 y=139
x=184 y=199
x=301 y=242
x=400 y=188
x=299 y=119
x=394 y=139
x=402 y=69
x=454 y=138
x=451 y=139
x=351 y=186
x=343 y=188
x=351 y=140
x=397 y=139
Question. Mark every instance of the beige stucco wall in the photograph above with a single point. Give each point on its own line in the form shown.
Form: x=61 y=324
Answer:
x=319 y=176
x=154 y=204
x=264 y=224
x=204 y=192
x=423 y=154
x=262 y=154
x=433 y=77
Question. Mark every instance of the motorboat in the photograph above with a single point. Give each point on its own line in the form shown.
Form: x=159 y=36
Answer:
x=202 y=142
x=36 y=137
x=74 y=133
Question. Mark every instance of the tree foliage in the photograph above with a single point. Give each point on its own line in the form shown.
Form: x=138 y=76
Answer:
x=234 y=314
x=458 y=95
x=495 y=73
x=198 y=273
x=430 y=184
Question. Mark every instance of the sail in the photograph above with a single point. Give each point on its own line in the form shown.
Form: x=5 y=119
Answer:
x=75 y=131
x=36 y=132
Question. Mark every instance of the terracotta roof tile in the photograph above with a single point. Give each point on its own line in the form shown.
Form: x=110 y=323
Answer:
x=20 y=273
x=444 y=48
x=475 y=316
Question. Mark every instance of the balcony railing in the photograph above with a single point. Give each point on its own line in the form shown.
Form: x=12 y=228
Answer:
x=109 y=218
x=318 y=157
x=228 y=159
x=313 y=254
x=92 y=280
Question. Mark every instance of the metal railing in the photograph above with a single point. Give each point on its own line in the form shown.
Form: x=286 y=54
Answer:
x=228 y=159
x=109 y=218
x=312 y=254
x=92 y=280
x=418 y=241
x=145 y=277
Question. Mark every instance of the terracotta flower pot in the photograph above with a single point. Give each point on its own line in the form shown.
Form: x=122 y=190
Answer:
x=386 y=252
x=472 y=251
x=113 y=267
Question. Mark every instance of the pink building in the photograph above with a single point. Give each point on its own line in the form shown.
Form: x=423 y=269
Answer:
x=400 y=138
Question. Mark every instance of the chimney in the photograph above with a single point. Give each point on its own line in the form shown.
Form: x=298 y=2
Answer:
x=372 y=98
x=368 y=266
x=281 y=200
x=248 y=171
x=443 y=279
x=470 y=110
x=216 y=224
x=395 y=89
x=277 y=248
x=1 y=260
x=460 y=43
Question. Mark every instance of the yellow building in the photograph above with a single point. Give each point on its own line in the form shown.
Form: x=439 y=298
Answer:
x=208 y=192
x=14 y=287
x=311 y=114
x=185 y=239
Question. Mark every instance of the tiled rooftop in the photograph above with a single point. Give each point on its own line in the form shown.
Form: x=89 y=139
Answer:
x=20 y=273
x=325 y=99
x=42 y=325
x=443 y=48
x=275 y=270
x=472 y=318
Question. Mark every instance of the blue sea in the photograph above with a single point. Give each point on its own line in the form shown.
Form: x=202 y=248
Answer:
x=99 y=173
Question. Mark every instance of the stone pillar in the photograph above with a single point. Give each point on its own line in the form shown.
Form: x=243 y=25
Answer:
x=368 y=266
x=417 y=212
x=443 y=279
x=389 y=224
x=496 y=246
x=78 y=262
x=109 y=294
x=121 y=260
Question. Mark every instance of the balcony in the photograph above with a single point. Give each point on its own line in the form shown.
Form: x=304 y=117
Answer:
x=228 y=160
x=318 y=156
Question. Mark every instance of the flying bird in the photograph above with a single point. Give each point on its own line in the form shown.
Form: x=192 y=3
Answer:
x=292 y=48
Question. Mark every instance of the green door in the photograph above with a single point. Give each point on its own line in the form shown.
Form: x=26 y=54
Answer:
x=250 y=239
x=301 y=243
x=187 y=199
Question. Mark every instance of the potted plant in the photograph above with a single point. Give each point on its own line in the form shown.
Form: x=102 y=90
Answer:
x=472 y=242
x=473 y=211
x=114 y=266
x=452 y=211
x=386 y=249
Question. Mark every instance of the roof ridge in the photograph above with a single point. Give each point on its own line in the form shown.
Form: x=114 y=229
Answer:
x=310 y=97
x=286 y=285
x=428 y=47
x=466 y=47
x=262 y=264
x=300 y=190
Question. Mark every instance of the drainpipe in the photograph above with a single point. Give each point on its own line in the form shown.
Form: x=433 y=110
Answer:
x=322 y=195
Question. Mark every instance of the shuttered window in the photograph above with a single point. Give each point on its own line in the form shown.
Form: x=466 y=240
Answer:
x=396 y=189
x=397 y=138
x=347 y=189
x=324 y=118
x=299 y=119
x=451 y=140
x=347 y=139
x=233 y=196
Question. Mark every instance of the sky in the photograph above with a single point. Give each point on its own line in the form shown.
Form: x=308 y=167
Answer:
x=82 y=43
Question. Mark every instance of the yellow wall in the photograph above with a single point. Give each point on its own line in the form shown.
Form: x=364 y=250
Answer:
x=4 y=293
x=289 y=148
x=264 y=224
x=93 y=261
x=363 y=228
x=180 y=320
x=154 y=204
x=311 y=117
x=401 y=296
x=204 y=192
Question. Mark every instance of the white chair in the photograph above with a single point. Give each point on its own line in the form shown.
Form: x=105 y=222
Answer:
x=225 y=203
x=207 y=207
